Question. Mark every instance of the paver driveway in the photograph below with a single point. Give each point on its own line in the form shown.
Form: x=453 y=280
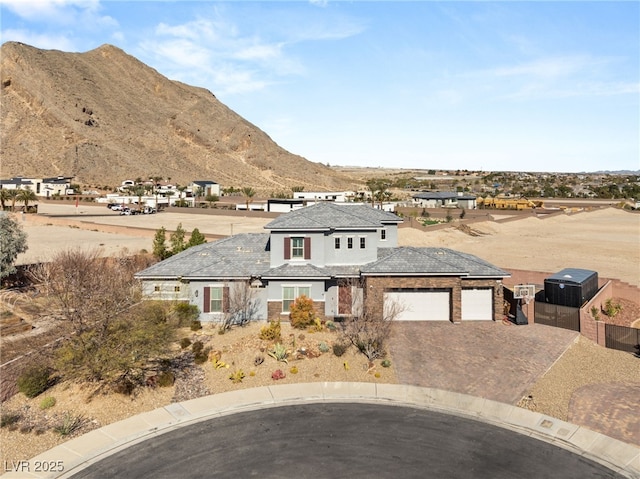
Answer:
x=487 y=359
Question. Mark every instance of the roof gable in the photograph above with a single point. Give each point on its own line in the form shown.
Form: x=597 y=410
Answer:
x=430 y=261
x=328 y=215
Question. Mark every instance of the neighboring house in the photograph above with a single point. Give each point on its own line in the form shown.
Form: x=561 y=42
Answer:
x=46 y=187
x=284 y=205
x=445 y=199
x=206 y=187
x=319 y=251
x=315 y=196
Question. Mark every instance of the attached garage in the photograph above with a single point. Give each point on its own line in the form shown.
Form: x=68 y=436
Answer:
x=421 y=305
x=477 y=304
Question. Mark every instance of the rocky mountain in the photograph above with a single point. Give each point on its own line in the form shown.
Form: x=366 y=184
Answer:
x=104 y=116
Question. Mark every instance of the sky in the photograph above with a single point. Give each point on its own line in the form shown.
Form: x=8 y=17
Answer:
x=491 y=86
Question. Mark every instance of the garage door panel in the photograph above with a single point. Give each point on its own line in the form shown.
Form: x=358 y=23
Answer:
x=477 y=304
x=421 y=305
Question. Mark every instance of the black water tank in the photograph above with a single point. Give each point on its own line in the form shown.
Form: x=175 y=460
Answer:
x=571 y=287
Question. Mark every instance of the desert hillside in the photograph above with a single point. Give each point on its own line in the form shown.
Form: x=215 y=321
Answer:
x=103 y=116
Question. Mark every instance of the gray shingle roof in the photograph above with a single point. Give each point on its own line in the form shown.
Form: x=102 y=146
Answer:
x=242 y=255
x=301 y=271
x=437 y=261
x=327 y=215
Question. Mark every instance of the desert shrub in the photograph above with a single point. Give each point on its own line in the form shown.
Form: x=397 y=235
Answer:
x=595 y=313
x=323 y=347
x=612 y=308
x=258 y=360
x=301 y=312
x=8 y=419
x=34 y=380
x=200 y=353
x=197 y=347
x=47 y=402
x=185 y=313
x=279 y=353
x=294 y=370
x=185 y=343
x=385 y=363
x=166 y=379
x=237 y=376
x=272 y=332
x=123 y=386
x=340 y=348
x=278 y=374
x=69 y=424
x=196 y=325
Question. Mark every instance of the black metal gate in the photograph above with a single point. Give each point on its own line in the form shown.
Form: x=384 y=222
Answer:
x=558 y=316
x=622 y=338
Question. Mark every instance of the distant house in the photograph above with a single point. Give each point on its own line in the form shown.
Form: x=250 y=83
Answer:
x=206 y=187
x=322 y=252
x=44 y=187
x=445 y=199
x=315 y=196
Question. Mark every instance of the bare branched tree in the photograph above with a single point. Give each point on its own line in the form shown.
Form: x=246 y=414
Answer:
x=242 y=305
x=368 y=325
x=109 y=334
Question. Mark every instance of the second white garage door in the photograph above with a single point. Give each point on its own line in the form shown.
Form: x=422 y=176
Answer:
x=421 y=305
x=477 y=304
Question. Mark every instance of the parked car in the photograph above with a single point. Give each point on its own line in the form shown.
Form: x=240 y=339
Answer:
x=148 y=210
x=118 y=207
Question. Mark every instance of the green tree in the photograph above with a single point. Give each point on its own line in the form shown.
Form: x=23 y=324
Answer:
x=4 y=197
x=26 y=196
x=248 y=193
x=12 y=195
x=160 y=250
x=13 y=241
x=177 y=240
x=211 y=199
x=196 y=238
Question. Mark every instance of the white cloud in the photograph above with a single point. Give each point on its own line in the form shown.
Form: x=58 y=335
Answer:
x=42 y=40
x=58 y=11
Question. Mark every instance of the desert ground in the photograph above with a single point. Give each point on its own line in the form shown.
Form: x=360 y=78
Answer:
x=604 y=240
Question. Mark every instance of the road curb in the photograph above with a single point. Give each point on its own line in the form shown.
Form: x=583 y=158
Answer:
x=71 y=457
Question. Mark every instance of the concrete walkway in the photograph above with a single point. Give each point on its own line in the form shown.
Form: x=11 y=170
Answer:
x=73 y=456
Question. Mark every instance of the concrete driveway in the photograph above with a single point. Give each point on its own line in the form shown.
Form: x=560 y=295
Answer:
x=487 y=359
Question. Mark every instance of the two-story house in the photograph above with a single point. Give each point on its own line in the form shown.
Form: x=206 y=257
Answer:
x=328 y=252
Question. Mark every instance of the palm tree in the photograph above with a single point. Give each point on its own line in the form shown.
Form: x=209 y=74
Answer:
x=26 y=196
x=13 y=196
x=4 y=197
x=248 y=193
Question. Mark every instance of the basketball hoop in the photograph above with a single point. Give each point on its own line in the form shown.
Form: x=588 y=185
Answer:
x=525 y=292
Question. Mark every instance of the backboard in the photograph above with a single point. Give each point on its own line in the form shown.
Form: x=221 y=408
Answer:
x=524 y=290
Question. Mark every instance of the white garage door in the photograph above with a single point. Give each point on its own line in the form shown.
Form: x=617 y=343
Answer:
x=421 y=305
x=477 y=304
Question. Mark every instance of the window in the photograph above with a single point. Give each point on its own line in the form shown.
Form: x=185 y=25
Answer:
x=336 y=242
x=383 y=234
x=176 y=289
x=215 y=300
x=349 y=243
x=297 y=247
x=290 y=293
x=363 y=242
x=156 y=289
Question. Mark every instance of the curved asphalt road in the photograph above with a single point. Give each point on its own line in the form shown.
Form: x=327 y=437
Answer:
x=336 y=440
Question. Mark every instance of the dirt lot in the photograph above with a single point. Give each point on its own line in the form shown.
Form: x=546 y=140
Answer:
x=605 y=240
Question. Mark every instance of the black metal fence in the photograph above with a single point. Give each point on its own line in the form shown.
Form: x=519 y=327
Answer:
x=558 y=316
x=622 y=338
